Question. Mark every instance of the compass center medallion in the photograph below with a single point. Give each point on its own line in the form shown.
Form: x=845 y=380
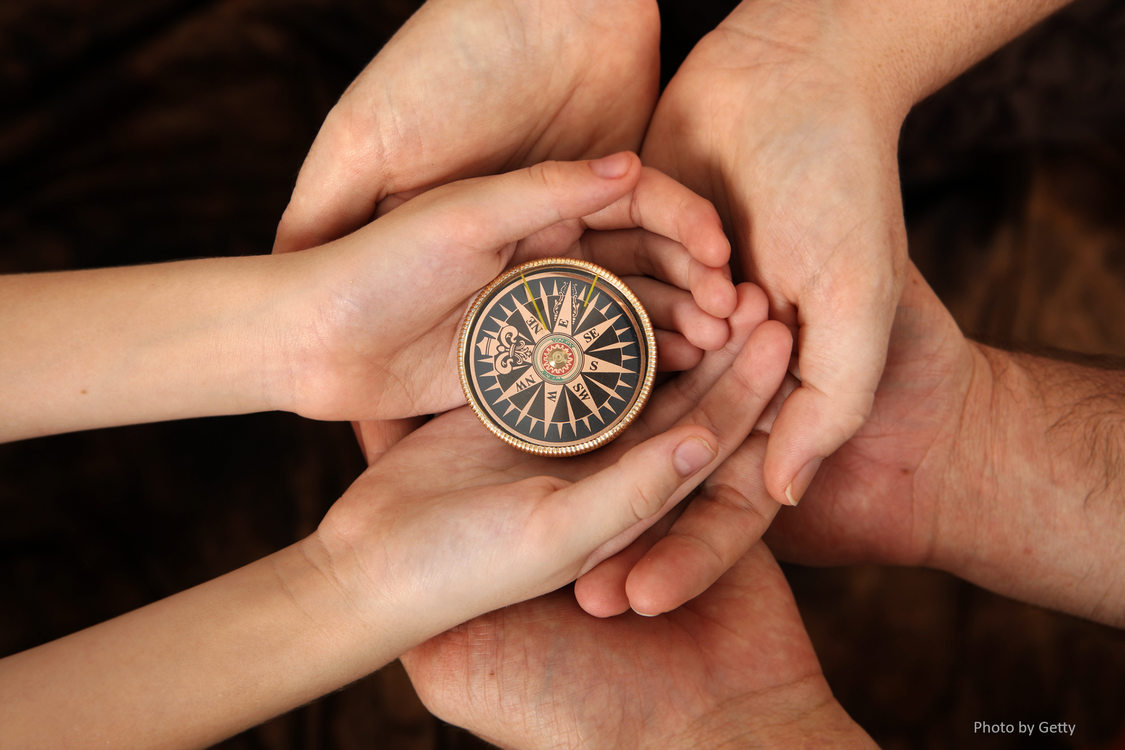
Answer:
x=558 y=358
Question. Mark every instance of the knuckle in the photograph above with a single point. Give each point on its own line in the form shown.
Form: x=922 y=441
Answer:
x=355 y=140
x=541 y=486
x=705 y=547
x=544 y=174
x=651 y=490
x=745 y=504
x=645 y=502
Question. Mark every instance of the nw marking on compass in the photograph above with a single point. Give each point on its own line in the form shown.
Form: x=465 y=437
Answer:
x=557 y=359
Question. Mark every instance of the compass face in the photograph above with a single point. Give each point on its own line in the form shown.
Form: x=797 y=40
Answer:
x=557 y=356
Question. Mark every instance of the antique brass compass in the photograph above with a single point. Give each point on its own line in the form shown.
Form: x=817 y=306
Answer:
x=557 y=356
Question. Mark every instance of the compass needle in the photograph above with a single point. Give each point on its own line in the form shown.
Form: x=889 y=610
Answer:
x=589 y=293
x=535 y=304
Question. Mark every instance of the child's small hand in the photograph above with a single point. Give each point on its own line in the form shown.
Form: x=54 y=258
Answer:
x=378 y=338
x=443 y=526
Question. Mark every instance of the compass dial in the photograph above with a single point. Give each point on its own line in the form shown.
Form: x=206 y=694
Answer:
x=557 y=356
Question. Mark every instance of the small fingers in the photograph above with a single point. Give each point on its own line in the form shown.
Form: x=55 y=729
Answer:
x=678 y=397
x=673 y=309
x=617 y=503
x=665 y=207
x=487 y=213
x=638 y=252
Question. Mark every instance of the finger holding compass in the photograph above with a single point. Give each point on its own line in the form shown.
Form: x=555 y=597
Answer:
x=378 y=333
x=660 y=229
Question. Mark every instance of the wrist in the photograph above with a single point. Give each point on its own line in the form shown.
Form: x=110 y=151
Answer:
x=964 y=478
x=137 y=344
x=803 y=714
x=896 y=53
x=373 y=589
x=1034 y=509
x=323 y=337
x=261 y=309
x=841 y=46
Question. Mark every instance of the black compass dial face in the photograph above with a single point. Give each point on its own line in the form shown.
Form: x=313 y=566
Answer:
x=557 y=356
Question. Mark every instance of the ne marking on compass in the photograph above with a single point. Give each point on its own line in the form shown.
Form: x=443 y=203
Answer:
x=533 y=302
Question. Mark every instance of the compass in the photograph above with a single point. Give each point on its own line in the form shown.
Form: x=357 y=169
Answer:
x=557 y=356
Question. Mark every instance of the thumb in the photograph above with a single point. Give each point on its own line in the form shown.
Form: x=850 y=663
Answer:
x=338 y=187
x=619 y=502
x=840 y=367
x=497 y=210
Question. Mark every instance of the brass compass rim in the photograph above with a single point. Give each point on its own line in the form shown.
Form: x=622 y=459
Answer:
x=647 y=378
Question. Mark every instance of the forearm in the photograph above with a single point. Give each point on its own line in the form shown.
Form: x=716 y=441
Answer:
x=1037 y=509
x=86 y=349
x=899 y=50
x=920 y=45
x=196 y=667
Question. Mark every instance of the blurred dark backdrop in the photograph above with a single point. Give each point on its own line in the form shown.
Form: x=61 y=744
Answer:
x=140 y=131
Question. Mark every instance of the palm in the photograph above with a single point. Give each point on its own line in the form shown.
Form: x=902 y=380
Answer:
x=468 y=89
x=546 y=674
x=874 y=499
x=383 y=348
x=787 y=153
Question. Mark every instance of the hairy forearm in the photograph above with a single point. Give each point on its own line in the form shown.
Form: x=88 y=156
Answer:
x=196 y=667
x=86 y=349
x=1038 y=509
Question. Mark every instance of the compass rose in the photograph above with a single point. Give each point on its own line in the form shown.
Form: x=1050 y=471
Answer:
x=557 y=356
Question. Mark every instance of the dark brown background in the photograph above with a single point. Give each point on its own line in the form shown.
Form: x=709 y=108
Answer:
x=145 y=130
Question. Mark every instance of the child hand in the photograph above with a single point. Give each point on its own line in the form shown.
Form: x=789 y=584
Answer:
x=448 y=524
x=378 y=332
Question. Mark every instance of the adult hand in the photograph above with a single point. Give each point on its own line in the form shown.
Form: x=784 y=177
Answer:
x=787 y=116
x=769 y=118
x=733 y=668
x=967 y=451
x=875 y=500
x=380 y=321
x=473 y=88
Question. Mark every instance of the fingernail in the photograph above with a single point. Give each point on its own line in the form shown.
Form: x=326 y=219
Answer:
x=642 y=614
x=796 y=489
x=611 y=167
x=692 y=455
